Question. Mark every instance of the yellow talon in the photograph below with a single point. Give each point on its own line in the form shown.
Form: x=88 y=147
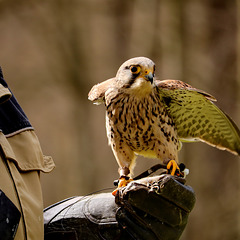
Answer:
x=173 y=164
x=115 y=192
x=123 y=182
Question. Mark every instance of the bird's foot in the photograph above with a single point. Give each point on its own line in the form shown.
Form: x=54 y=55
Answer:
x=122 y=182
x=173 y=168
x=177 y=170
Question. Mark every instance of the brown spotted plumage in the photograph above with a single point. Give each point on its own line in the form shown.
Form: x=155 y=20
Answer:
x=150 y=117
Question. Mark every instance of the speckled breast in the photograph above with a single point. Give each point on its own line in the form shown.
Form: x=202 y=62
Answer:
x=143 y=124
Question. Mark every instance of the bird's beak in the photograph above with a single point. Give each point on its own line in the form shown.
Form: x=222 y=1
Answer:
x=149 y=77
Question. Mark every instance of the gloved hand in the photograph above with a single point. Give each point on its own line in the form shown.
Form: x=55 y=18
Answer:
x=150 y=208
x=155 y=208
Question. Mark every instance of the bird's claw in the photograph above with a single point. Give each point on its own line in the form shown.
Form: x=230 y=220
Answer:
x=122 y=182
x=177 y=170
x=173 y=168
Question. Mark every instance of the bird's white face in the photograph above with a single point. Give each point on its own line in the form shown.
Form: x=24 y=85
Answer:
x=136 y=75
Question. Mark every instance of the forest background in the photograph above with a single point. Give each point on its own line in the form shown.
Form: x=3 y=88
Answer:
x=53 y=52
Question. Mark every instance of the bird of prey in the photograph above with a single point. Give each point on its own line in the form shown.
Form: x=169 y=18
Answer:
x=149 y=117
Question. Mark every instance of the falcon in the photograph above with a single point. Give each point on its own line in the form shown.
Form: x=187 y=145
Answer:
x=150 y=117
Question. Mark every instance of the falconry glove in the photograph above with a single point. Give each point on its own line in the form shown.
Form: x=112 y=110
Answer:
x=150 y=208
x=157 y=208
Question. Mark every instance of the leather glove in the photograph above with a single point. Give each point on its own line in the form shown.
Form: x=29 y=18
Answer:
x=155 y=208
x=150 y=208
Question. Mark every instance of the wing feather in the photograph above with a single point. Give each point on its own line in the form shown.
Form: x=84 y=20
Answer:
x=97 y=93
x=196 y=117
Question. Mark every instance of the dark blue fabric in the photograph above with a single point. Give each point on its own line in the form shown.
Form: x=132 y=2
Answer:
x=12 y=117
x=9 y=217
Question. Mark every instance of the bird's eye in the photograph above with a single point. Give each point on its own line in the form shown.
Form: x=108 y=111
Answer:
x=135 y=69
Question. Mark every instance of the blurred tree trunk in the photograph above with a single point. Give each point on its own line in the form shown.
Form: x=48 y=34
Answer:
x=238 y=94
x=204 y=50
x=210 y=64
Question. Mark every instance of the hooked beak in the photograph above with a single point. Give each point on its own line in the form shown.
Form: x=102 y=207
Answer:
x=149 y=77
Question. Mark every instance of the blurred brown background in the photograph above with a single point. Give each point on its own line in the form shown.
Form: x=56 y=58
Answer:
x=53 y=52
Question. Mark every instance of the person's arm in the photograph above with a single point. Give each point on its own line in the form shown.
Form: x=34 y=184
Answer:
x=150 y=208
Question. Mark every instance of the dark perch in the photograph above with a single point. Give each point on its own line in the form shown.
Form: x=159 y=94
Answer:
x=150 y=208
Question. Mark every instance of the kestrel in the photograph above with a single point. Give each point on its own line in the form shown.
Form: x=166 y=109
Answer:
x=149 y=117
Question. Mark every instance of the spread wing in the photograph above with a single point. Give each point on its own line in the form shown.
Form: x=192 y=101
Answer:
x=97 y=93
x=196 y=117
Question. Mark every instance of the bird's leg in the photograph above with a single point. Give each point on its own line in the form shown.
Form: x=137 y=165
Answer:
x=172 y=167
x=124 y=179
x=126 y=159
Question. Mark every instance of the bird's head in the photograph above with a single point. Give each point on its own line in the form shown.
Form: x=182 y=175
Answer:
x=136 y=75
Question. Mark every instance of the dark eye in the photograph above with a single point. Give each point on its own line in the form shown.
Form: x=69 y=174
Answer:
x=135 y=69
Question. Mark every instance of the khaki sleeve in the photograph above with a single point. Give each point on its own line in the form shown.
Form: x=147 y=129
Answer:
x=21 y=162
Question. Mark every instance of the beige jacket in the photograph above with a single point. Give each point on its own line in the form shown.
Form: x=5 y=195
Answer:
x=21 y=161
